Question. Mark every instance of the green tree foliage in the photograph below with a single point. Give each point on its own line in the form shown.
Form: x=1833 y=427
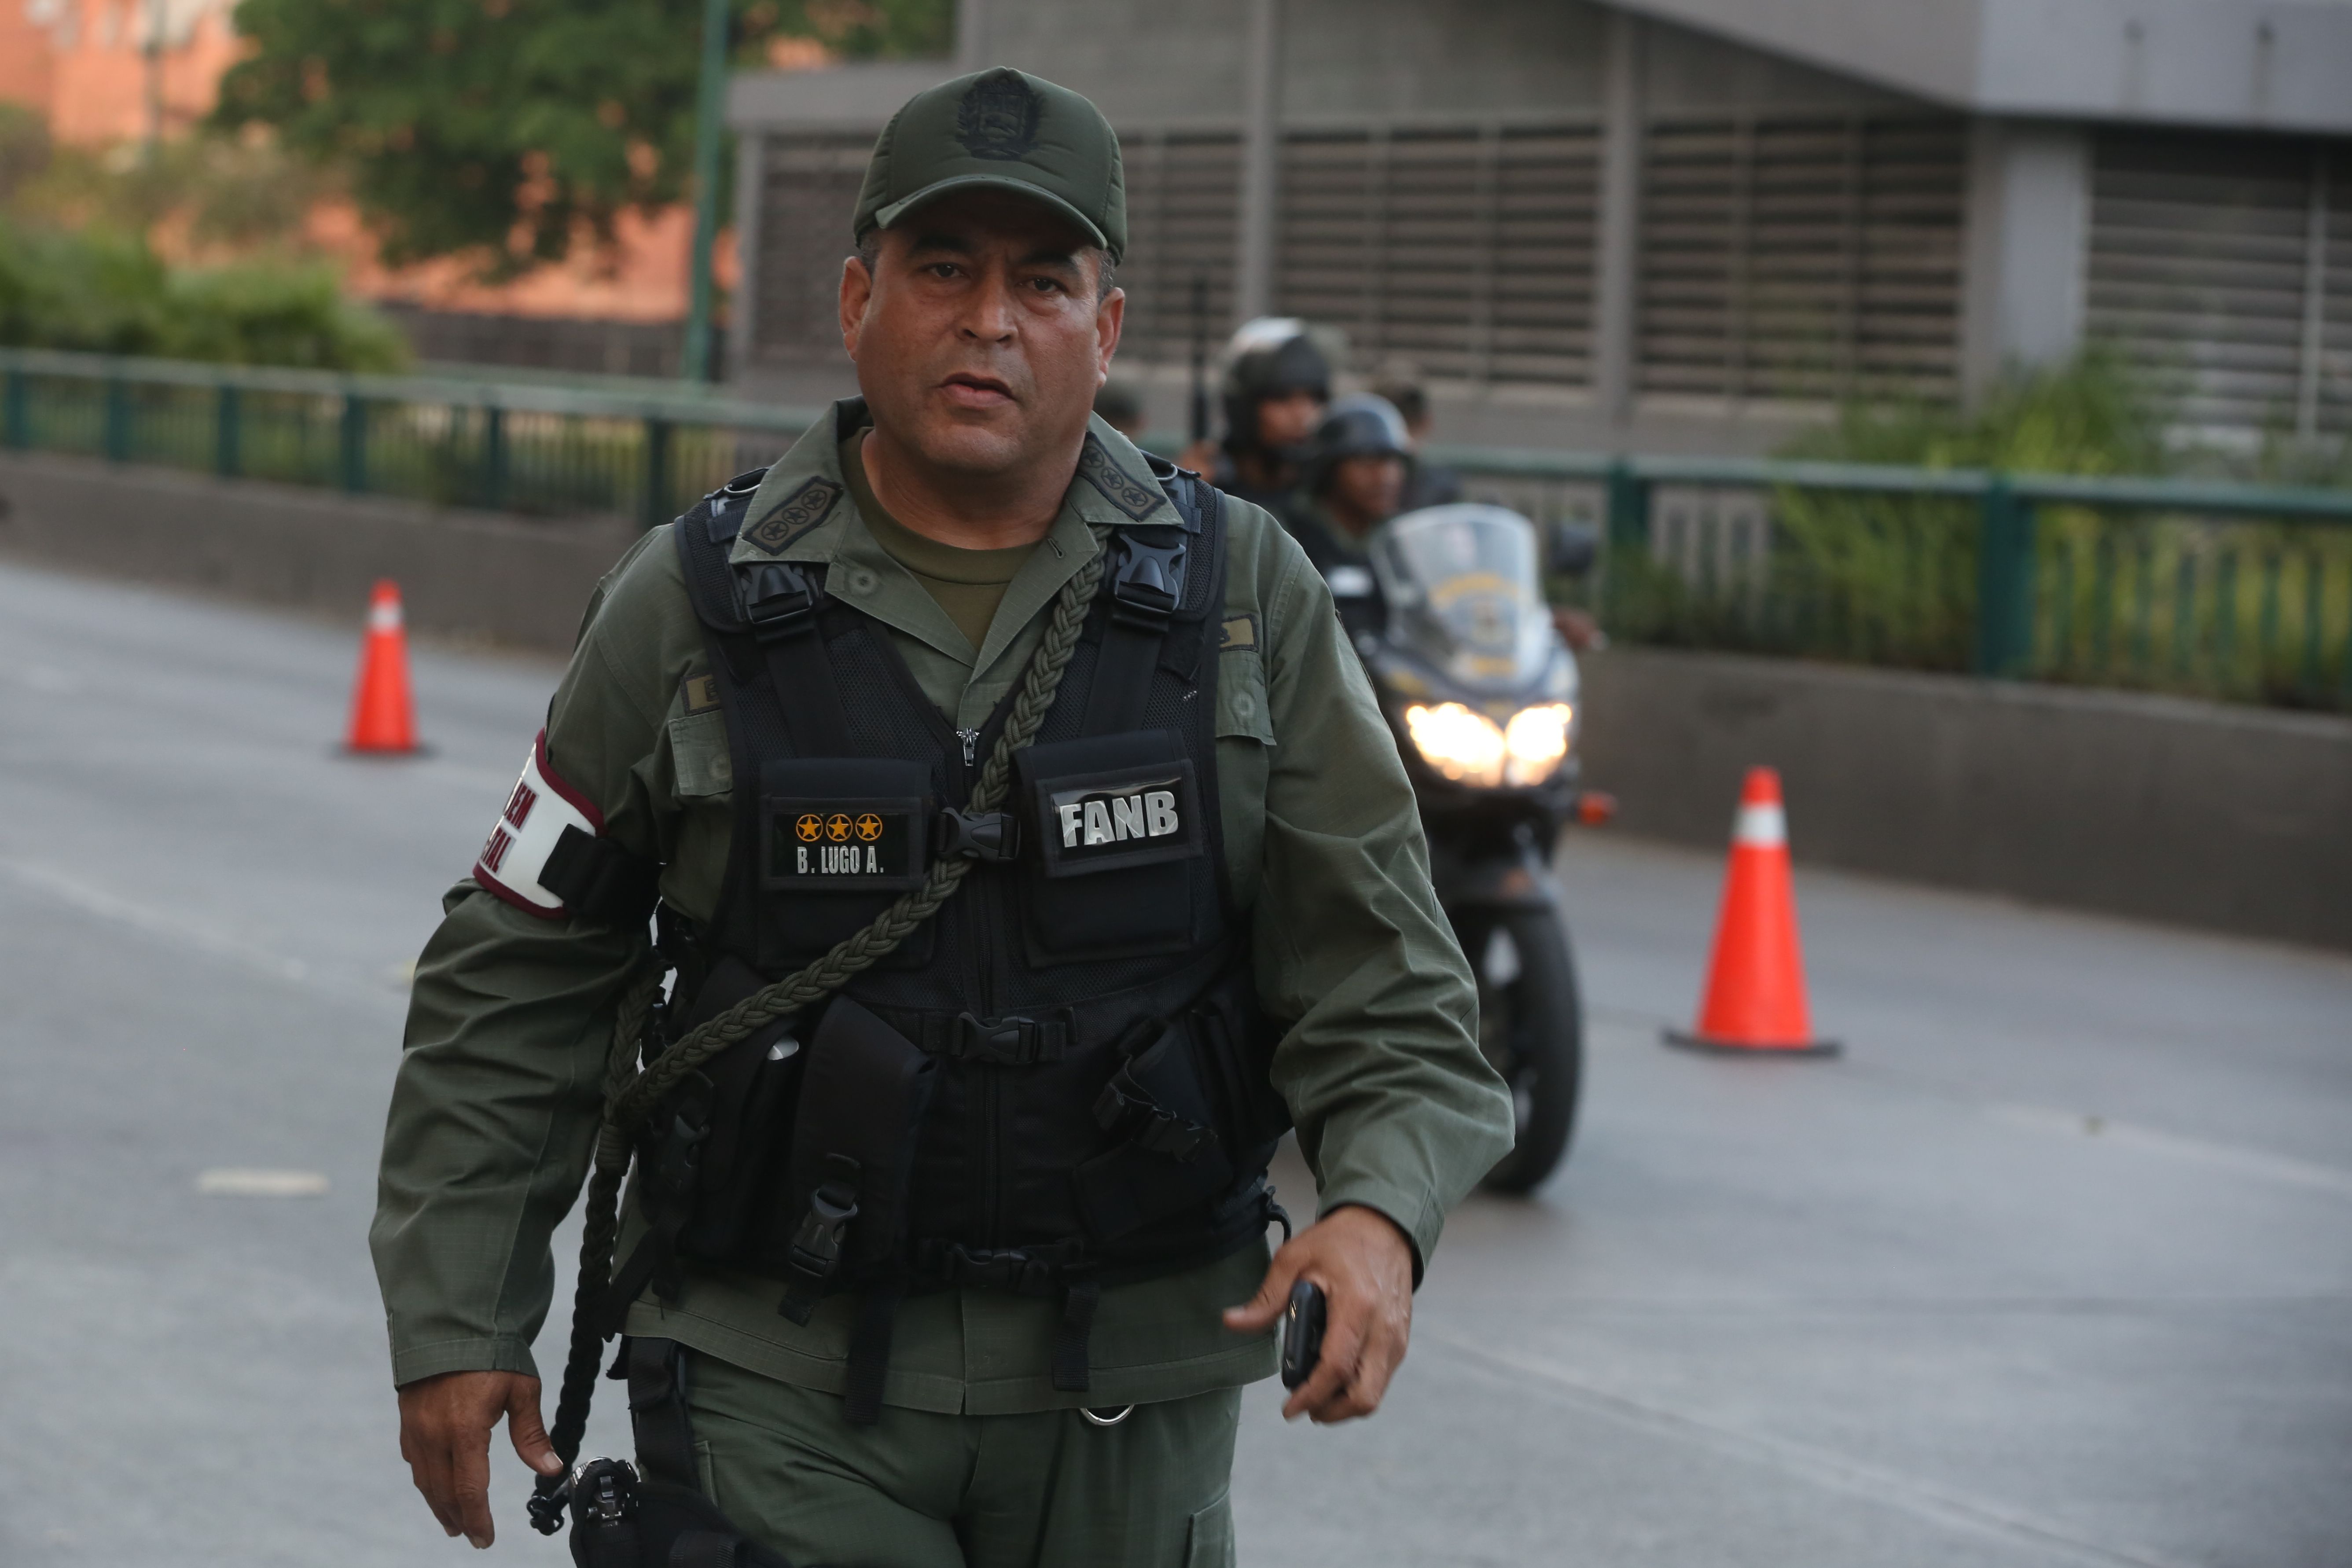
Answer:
x=101 y=291
x=502 y=130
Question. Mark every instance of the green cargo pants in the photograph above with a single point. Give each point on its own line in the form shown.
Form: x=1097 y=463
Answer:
x=919 y=1489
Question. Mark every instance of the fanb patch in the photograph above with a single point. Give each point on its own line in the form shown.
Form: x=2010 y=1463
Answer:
x=998 y=118
x=1121 y=489
x=791 y=518
x=1099 y=822
x=1238 y=634
x=700 y=692
x=849 y=846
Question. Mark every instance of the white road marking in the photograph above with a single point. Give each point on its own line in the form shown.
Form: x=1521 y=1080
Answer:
x=232 y=1182
x=1920 y=1498
x=2074 y=1124
x=114 y=907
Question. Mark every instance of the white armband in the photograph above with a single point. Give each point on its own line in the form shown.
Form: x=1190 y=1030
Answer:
x=541 y=806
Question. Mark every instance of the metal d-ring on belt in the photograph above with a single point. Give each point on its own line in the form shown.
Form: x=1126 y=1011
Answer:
x=1106 y=1416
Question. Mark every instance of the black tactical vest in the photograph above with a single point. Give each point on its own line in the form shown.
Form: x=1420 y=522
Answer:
x=1060 y=1080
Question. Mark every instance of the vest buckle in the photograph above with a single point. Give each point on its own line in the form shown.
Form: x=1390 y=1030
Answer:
x=990 y=835
x=779 y=600
x=1147 y=580
x=1005 y=1042
x=815 y=1251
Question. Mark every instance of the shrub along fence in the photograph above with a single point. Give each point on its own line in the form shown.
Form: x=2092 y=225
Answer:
x=2237 y=591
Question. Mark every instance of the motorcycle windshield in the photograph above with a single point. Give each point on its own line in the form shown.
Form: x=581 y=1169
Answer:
x=1465 y=587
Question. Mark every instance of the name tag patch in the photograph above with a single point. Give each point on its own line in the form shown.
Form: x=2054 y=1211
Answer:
x=845 y=845
x=1099 y=822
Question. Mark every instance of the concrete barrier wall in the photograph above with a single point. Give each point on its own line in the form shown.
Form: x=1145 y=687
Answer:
x=513 y=579
x=2233 y=818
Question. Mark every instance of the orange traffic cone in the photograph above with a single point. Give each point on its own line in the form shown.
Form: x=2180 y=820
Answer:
x=383 y=716
x=1755 y=1002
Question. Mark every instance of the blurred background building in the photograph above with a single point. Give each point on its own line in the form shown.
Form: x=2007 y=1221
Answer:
x=1686 y=225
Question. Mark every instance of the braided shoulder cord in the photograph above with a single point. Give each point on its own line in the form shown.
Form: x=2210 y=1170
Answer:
x=629 y=1094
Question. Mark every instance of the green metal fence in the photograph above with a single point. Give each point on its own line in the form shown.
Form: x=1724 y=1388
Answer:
x=2232 y=590
x=2237 y=592
x=532 y=448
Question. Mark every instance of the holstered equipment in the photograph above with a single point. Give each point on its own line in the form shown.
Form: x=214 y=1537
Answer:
x=655 y=1514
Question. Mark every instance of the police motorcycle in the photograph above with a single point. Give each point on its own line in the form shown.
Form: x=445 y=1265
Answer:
x=1445 y=607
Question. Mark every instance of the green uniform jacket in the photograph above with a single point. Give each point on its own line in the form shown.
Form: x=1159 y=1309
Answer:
x=496 y=1105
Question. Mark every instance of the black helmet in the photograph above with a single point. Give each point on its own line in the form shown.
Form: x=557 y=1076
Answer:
x=1358 y=426
x=1271 y=368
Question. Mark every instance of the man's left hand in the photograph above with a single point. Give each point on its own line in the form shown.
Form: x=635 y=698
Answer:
x=1365 y=1266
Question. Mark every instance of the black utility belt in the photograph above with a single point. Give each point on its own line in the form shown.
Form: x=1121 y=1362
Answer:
x=861 y=825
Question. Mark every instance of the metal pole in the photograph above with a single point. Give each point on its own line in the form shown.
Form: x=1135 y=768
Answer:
x=655 y=506
x=708 y=134
x=1260 y=160
x=2005 y=565
x=228 y=445
x=156 y=16
x=354 y=443
x=1618 y=291
x=19 y=415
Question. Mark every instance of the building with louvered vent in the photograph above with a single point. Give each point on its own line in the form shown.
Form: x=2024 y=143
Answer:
x=1691 y=226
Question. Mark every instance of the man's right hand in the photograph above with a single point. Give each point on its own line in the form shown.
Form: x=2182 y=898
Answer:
x=445 y=1436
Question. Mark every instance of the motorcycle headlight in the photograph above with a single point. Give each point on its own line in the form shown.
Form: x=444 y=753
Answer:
x=1537 y=741
x=1465 y=745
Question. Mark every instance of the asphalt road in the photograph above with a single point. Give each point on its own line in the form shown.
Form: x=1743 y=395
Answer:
x=2054 y=1268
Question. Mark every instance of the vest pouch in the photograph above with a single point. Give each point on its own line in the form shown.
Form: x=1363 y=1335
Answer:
x=862 y=1099
x=1172 y=1155
x=756 y=1084
x=1237 y=1044
x=840 y=840
x=1119 y=828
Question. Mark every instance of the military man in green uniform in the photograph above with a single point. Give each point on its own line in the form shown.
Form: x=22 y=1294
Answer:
x=1007 y=1170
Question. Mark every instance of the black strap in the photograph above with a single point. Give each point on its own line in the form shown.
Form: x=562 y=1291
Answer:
x=869 y=1354
x=658 y=1413
x=1145 y=582
x=1004 y=1042
x=598 y=881
x=1072 y=1355
x=781 y=605
x=704 y=1549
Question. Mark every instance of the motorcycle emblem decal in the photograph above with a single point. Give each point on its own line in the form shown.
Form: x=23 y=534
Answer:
x=1121 y=489
x=998 y=116
x=792 y=519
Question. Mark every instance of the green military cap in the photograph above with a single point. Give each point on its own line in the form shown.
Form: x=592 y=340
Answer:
x=1003 y=130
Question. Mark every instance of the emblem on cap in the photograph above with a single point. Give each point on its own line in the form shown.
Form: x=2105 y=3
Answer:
x=998 y=116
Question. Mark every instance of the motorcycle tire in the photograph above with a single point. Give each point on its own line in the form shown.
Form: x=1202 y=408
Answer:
x=1532 y=1027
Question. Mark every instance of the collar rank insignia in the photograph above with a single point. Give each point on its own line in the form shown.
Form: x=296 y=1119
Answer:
x=998 y=116
x=1121 y=489
x=792 y=519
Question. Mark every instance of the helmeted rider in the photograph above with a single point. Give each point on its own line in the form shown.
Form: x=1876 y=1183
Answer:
x=1358 y=471
x=1275 y=390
